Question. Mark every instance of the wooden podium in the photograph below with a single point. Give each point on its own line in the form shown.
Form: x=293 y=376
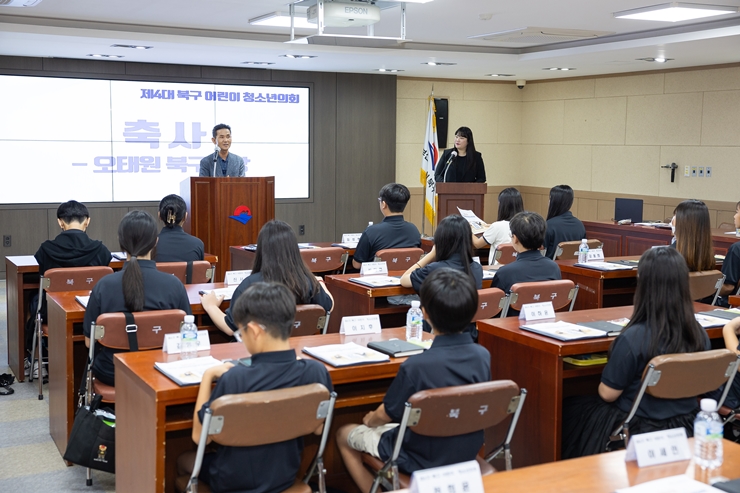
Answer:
x=219 y=207
x=468 y=196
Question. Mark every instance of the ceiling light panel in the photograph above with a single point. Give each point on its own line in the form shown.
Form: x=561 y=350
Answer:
x=282 y=19
x=675 y=12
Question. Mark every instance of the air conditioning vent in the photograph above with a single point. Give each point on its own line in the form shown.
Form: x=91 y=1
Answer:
x=540 y=35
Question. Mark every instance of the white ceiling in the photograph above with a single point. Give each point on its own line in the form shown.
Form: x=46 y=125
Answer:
x=217 y=33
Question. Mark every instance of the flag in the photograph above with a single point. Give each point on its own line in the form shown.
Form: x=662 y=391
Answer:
x=429 y=157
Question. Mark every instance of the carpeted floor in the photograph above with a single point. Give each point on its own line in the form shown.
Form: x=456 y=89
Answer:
x=29 y=460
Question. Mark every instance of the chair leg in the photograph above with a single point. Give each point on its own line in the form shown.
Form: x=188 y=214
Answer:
x=322 y=476
x=32 y=355
x=89 y=477
x=507 y=457
x=39 y=345
x=376 y=484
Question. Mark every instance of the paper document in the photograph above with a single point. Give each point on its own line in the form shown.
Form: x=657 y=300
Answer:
x=476 y=223
x=346 y=354
x=707 y=321
x=563 y=331
x=604 y=266
x=227 y=292
x=671 y=484
x=377 y=281
x=82 y=300
x=187 y=371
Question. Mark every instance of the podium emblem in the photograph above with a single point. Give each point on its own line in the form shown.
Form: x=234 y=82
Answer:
x=242 y=214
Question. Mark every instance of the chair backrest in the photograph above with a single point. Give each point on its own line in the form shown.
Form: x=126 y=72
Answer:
x=197 y=272
x=309 y=320
x=73 y=278
x=705 y=283
x=399 y=258
x=330 y=259
x=151 y=327
x=505 y=253
x=568 y=250
x=678 y=376
x=560 y=292
x=282 y=414
x=490 y=302
x=452 y=411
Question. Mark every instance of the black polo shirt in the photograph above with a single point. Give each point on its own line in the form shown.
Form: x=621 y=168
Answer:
x=453 y=359
x=175 y=245
x=454 y=262
x=565 y=227
x=529 y=266
x=263 y=468
x=319 y=298
x=731 y=265
x=393 y=232
x=162 y=291
x=627 y=362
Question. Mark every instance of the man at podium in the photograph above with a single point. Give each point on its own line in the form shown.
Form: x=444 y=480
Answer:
x=222 y=162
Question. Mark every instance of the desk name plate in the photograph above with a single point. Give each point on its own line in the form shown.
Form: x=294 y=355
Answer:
x=374 y=269
x=464 y=477
x=658 y=447
x=360 y=324
x=595 y=255
x=236 y=276
x=172 y=342
x=537 y=311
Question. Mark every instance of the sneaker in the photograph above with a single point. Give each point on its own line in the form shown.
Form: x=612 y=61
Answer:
x=27 y=367
x=44 y=371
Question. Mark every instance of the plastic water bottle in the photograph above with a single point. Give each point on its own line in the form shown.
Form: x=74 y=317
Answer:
x=583 y=251
x=188 y=338
x=708 y=431
x=414 y=320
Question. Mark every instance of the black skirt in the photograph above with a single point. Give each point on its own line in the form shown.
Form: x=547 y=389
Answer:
x=588 y=421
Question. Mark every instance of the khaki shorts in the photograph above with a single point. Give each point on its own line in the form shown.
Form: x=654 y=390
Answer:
x=366 y=439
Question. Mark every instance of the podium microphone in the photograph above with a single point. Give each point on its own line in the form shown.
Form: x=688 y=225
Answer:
x=215 y=155
x=453 y=155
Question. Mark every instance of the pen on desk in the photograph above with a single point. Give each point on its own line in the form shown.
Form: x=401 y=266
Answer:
x=202 y=292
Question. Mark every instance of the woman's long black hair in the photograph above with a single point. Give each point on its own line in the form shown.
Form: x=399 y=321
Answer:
x=137 y=236
x=561 y=200
x=454 y=236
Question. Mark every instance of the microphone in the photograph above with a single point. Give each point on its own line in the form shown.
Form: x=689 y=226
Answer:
x=215 y=155
x=453 y=155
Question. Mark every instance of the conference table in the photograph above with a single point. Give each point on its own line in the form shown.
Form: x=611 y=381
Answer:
x=598 y=288
x=154 y=414
x=22 y=282
x=243 y=259
x=535 y=362
x=68 y=353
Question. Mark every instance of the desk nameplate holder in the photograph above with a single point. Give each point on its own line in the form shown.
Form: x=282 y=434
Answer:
x=658 y=447
x=595 y=255
x=236 y=276
x=537 y=311
x=351 y=237
x=458 y=478
x=360 y=324
x=172 y=342
x=374 y=269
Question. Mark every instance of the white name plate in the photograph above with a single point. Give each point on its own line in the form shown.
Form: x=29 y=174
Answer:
x=374 y=269
x=172 y=342
x=464 y=477
x=595 y=255
x=236 y=276
x=658 y=447
x=537 y=311
x=351 y=237
x=361 y=324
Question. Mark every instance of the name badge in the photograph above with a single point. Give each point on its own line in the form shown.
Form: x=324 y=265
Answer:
x=236 y=276
x=351 y=237
x=595 y=255
x=361 y=324
x=172 y=342
x=658 y=447
x=537 y=311
x=464 y=477
x=374 y=269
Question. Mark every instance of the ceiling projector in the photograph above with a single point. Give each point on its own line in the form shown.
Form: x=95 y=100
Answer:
x=343 y=14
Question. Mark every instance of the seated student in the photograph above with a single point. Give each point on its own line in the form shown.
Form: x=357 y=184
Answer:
x=662 y=323
x=527 y=233
x=509 y=204
x=448 y=301
x=174 y=244
x=393 y=232
x=277 y=259
x=562 y=225
x=694 y=235
x=731 y=264
x=138 y=287
x=264 y=315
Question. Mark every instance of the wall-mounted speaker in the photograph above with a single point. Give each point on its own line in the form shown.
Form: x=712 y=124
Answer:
x=441 y=106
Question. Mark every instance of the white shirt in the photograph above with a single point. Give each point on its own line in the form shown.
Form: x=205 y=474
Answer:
x=496 y=234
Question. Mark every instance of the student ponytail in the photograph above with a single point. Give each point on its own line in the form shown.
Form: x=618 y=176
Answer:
x=137 y=236
x=172 y=210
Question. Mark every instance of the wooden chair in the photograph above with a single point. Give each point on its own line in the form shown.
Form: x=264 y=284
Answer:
x=559 y=292
x=309 y=320
x=399 y=258
x=324 y=260
x=568 y=250
x=197 y=272
x=679 y=376
x=281 y=415
x=56 y=281
x=491 y=301
x=706 y=283
x=479 y=406
x=505 y=253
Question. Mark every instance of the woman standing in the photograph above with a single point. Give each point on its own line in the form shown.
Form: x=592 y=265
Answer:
x=466 y=165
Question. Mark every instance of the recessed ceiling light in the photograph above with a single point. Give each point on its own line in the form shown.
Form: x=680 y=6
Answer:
x=564 y=69
x=282 y=19
x=675 y=12
x=135 y=47
x=499 y=75
x=657 y=59
x=100 y=55
x=434 y=64
x=258 y=63
x=391 y=70
x=297 y=56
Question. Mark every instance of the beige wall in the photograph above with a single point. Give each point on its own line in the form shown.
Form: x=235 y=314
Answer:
x=604 y=136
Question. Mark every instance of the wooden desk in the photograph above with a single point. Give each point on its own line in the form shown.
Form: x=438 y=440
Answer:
x=22 y=282
x=242 y=259
x=605 y=473
x=68 y=354
x=535 y=362
x=600 y=289
x=629 y=239
x=154 y=415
